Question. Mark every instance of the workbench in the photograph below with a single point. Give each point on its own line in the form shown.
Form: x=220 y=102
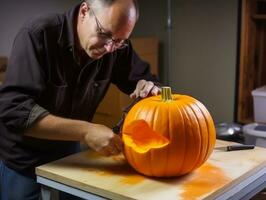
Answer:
x=226 y=175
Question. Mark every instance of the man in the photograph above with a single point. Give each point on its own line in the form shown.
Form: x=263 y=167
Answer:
x=58 y=72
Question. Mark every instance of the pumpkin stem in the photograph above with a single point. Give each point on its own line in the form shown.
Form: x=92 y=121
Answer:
x=166 y=94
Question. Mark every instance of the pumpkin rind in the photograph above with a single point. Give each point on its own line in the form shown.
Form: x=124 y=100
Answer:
x=188 y=126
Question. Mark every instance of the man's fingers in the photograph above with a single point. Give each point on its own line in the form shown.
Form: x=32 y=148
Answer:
x=133 y=95
x=104 y=151
x=146 y=89
x=117 y=141
x=139 y=87
x=141 y=84
x=109 y=151
x=114 y=147
x=155 y=90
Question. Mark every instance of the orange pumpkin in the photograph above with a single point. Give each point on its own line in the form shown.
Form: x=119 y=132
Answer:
x=168 y=135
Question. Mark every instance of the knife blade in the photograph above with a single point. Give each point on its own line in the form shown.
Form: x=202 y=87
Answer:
x=235 y=147
x=117 y=128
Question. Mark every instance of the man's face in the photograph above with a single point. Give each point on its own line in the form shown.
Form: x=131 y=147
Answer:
x=105 y=30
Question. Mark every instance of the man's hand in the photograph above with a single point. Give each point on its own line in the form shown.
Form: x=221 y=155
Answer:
x=99 y=137
x=144 y=88
x=103 y=140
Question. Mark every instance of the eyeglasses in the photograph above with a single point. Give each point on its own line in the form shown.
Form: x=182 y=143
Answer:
x=107 y=38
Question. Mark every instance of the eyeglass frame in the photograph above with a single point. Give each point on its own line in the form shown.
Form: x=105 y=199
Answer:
x=107 y=37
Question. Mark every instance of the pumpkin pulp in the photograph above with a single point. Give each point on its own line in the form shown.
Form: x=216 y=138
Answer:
x=142 y=138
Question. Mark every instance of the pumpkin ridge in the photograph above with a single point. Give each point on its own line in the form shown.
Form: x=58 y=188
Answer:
x=150 y=152
x=199 y=158
x=180 y=110
x=166 y=166
x=208 y=128
x=208 y=142
x=189 y=161
x=203 y=112
x=152 y=156
x=185 y=136
x=208 y=145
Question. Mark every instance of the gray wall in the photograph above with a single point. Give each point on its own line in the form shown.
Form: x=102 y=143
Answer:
x=203 y=46
x=14 y=13
x=204 y=49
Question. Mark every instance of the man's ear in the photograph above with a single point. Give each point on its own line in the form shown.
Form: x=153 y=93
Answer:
x=83 y=11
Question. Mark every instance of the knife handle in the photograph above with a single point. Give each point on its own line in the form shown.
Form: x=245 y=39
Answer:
x=118 y=126
x=240 y=147
x=126 y=110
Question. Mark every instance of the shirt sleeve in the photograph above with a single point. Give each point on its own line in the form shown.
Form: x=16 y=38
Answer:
x=129 y=69
x=24 y=81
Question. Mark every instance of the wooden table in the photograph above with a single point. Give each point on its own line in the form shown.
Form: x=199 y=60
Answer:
x=226 y=175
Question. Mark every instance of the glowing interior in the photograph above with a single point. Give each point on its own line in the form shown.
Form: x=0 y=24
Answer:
x=142 y=138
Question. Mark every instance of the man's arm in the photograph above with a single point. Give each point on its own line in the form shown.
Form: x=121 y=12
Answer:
x=98 y=137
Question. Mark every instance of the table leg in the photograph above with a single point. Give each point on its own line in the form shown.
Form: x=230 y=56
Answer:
x=45 y=193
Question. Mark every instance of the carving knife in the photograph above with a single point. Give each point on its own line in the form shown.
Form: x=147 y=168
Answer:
x=235 y=147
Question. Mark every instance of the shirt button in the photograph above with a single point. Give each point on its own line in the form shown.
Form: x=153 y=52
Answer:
x=96 y=84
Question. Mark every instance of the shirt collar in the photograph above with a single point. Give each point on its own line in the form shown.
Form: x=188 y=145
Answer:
x=67 y=34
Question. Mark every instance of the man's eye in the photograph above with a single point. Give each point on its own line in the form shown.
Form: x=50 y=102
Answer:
x=105 y=35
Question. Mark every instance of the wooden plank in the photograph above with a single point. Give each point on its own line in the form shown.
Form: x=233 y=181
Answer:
x=113 y=178
x=247 y=62
x=242 y=61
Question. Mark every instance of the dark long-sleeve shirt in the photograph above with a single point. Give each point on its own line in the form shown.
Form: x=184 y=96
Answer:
x=44 y=76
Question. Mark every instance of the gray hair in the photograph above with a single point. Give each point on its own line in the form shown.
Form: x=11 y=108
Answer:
x=106 y=3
